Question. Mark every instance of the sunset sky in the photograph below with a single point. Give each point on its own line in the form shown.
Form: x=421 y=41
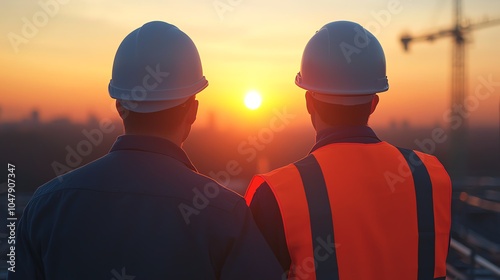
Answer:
x=64 y=66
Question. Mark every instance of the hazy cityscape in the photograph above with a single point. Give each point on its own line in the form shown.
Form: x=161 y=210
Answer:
x=43 y=150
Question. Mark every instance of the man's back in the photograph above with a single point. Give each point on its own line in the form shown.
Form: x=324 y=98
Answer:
x=139 y=211
x=358 y=210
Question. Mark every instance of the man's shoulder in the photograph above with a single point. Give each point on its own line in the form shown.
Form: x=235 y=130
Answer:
x=284 y=169
x=206 y=192
x=263 y=183
x=56 y=184
x=69 y=179
x=167 y=180
x=287 y=172
x=426 y=158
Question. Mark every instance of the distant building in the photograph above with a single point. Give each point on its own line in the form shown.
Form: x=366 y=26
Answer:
x=35 y=117
x=212 y=122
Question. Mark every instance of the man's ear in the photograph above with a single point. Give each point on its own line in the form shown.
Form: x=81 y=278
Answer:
x=192 y=112
x=121 y=110
x=310 y=104
x=374 y=104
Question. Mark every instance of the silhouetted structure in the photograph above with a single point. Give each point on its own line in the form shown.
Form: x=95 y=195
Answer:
x=459 y=32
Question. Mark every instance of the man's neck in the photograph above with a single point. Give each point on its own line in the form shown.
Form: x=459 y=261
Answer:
x=175 y=138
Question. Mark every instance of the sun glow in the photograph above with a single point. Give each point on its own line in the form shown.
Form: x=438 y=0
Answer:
x=253 y=100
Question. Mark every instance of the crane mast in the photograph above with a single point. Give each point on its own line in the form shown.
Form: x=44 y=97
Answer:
x=459 y=33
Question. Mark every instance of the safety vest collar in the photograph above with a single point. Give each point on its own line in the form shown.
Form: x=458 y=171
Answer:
x=345 y=134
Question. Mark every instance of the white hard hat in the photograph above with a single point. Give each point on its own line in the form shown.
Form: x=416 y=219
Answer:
x=343 y=63
x=156 y=67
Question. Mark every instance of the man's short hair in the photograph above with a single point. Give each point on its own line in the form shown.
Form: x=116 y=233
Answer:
x=168 y=119
x=343 y=115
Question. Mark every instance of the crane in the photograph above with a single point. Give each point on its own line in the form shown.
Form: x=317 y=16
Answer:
x=459 y=33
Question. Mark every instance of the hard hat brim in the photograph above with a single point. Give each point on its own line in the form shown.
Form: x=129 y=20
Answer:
x=142 y=94
x=151 y=106
x=383 y=85
x=149 y=101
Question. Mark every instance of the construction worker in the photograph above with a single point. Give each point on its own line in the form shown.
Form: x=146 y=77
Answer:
x=356 y=207
x=143 y=211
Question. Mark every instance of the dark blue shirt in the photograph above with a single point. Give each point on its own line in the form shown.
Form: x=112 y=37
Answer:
x=140 y=211
x=265 y=208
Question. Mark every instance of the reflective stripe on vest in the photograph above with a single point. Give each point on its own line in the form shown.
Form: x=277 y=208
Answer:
x=320 y=216
x=363 y=211
x=425 y=214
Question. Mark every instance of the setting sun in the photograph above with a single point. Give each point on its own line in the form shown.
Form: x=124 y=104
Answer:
x=253 y=100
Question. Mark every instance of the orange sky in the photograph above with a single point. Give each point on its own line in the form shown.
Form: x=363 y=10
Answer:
x=64 y=68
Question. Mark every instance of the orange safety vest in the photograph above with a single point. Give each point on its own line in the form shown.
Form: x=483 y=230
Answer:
x=363 y=211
